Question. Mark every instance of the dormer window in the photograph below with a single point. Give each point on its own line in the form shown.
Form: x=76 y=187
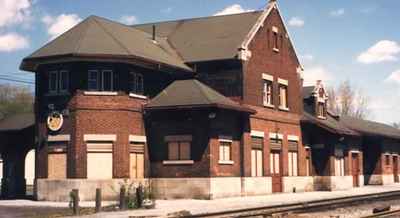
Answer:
x=321 y=99
x=321 y=110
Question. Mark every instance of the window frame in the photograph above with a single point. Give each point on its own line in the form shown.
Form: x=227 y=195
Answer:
x=134 y=83
x=179 y=155
x=292 y=160
x=61 y=81
x=286 y=88
x=56 y=82
x=223 y=145
x=102 y=80
x=97 y=80
x=268 y=93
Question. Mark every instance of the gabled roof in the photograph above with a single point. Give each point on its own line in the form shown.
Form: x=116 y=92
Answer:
x=97 y=36
x=207 y=38
x=17 y=122
x=371 y=128
x=185 y=94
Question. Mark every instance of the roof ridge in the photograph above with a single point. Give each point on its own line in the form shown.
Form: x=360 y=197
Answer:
x=83 y=34
x=195 y=18
x=199 y=85
x=112 y=36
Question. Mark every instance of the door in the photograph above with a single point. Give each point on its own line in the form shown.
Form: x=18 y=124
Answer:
x=276 y=171
x=396 y=168
x=355 y=169
x=137 y=165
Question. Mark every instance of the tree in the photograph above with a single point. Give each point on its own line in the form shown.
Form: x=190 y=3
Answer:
x=14 y=100
x=346 y=100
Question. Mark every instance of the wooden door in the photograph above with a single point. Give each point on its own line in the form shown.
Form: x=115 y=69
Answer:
x=355 y=169
x=276 y=171
x=396 y=168
x=137 y=165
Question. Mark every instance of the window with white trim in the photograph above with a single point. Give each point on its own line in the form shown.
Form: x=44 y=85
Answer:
x=179 y=150
x=267 y=93
x=58 y=82
x=101 y=80
x=292 y=158
x=339 y=162
x=283 y=94
x=257 y=144
x=136 y=84
x=225 y=148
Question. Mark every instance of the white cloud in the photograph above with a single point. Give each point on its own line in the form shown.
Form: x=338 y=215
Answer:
x=306 y=57
x=14 y=11
x=394 y=78
x=12 y=42
x=296 y=22
x=314 y=73
x=60 y=24
x=337 y=13
x=128 y=20
x=382 y=51
x=233 y=9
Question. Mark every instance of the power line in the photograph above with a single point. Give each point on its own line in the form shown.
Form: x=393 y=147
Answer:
x=18 y=81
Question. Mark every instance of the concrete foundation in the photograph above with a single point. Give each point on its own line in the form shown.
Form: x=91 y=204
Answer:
x=387 y=179
x=58 y=190
x=256 y=186
x=298 y=184
x=173 y=188
x=332 y=183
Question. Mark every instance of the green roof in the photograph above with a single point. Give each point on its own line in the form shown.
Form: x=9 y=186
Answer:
x=183 y=94
x=207 y=38
x=97 y=36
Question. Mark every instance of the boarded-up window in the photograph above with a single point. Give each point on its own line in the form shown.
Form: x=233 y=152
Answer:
x=57 y=161
x=225 y=150
x=137 y=160
x=292 y=163
x=274 y=162
x=99 y=161
x=179 y=150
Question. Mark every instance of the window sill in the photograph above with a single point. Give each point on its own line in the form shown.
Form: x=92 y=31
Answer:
x=321 y=117
x=269 y=105
x=57 y=94
x=226 y=162
x=133 y=95
x=275 y=50
x=178 y=162
x=283 y=108
x=100 y=93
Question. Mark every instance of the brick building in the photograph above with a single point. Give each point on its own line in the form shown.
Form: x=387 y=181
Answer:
x=202 y=108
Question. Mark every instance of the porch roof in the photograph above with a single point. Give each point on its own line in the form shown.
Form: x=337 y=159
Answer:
x=186 y=94
x=371 y=128
x=17 y=122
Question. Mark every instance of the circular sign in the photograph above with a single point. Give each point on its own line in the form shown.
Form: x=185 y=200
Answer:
x=55 y=121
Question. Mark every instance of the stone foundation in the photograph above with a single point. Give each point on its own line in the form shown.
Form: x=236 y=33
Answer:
x=58 y=190
x=256 y=186
x=173 y=188
x=298 y=184
x=387 y=179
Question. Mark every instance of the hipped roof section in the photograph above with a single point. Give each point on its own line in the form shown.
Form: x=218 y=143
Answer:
x=96 y=36
x=188 y=94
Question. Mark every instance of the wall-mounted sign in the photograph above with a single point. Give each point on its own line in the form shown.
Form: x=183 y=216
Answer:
x=55 y=121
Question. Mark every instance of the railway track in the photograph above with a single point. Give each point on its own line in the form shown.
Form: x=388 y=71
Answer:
x=310 y=206
x=391 y=213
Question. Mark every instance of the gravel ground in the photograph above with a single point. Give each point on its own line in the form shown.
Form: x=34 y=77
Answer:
x=356 y=211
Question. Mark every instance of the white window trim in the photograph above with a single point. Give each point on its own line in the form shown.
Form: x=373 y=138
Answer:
x=133 y=95
x=267 y=77
x=226 y=162
x=137 y=138
x=178 y=162
x=100 y=93
x=283 y=81
x=100 y=137
x=256 y=133
x=97 y=80
x=59 y=138
x=293 y=138
x=354 y=151
x=275 y=49
x=275 y=135
x=223 y=138
x=60 y=81
x=275 y=29
x=102 y=80
x=55 y=91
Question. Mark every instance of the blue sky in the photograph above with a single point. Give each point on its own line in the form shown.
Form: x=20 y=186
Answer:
x=336 y=40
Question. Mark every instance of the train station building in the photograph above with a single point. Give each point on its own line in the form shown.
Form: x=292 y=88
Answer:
x=199 y=108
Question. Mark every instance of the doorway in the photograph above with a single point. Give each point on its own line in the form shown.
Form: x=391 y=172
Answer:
x=355 y=169
x=276 y=170
x=396 y=168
